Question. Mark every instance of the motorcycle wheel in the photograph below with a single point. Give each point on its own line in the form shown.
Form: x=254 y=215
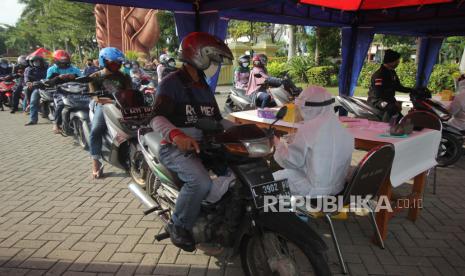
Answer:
x=152 y=183
x=283 y=254
x=138 y=166
x=79 y=134
x=450 y=150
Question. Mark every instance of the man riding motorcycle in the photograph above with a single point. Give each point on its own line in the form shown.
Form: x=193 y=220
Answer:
x=242 y=73
x=36 y=72
x=110 y=59
x=63 y=70
x=384 y=84
x=166 y=66
x=182 y=98
x=19 y=71
x=5 y=68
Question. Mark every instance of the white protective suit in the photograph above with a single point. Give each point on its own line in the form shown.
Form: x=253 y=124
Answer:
x=318 y=158
x=457 y=107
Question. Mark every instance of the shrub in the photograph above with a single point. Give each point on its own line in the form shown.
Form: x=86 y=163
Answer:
x=442 y=77
x=276 y=68
x=320 y=75
x=298 y=67
x=407 y=72
x=365 y=75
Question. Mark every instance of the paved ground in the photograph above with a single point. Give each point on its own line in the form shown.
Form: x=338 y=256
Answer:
x=54 y=219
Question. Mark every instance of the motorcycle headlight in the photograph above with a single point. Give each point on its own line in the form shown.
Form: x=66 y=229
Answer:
x=259 y=147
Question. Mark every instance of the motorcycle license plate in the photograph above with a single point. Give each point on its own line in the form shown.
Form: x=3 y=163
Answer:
x=263 y=192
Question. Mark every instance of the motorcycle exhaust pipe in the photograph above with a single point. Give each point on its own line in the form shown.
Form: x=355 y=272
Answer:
x=145 y=199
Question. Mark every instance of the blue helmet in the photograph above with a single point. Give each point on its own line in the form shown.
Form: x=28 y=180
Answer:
x=110 y=54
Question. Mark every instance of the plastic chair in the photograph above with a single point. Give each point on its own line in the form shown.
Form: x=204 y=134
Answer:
x=366 y=179
x=421 y=120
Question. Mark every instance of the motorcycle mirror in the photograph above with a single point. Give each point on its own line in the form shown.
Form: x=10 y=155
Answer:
x=281 y=113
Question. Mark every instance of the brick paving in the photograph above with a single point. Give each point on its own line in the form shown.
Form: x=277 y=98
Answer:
x=56 y=220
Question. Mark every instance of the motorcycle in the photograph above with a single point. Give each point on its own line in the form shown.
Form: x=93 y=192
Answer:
x=7 y=85
x=283 y=91
x=75 y=114
x=266 y=241
x=123 y=118
x=46 y=103
x=450 y=149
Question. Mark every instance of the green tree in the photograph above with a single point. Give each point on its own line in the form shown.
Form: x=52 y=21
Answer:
x=252 y=30
x=54 y=24
x=168 y=38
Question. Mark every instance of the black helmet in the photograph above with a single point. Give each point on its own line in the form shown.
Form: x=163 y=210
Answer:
x=244 y=61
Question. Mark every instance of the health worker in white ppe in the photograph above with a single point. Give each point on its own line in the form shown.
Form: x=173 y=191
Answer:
x=457 y=107
x=317 y=158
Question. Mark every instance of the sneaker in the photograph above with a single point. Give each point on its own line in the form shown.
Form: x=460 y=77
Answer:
x=180 y=237
x=13 y=111
x=30 y=123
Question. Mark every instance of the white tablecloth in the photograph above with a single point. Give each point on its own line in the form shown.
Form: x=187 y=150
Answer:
x=413 y=154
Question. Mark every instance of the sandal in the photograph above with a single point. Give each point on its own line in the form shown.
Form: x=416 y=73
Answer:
x=98 y=174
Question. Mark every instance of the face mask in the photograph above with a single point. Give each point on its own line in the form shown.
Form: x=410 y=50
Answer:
x=90 y=64
x=211 y=70
x=36 y=63
x=172 y=64
x=113 y=66
x=245 y=64
x=127 y=65
x=135 y=67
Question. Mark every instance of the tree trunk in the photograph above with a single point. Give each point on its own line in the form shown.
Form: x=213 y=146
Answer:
x=291 y=49
x=317 y=48
x=462 y=63
x=417 y=52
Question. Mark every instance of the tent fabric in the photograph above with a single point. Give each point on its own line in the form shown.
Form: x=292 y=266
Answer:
x=427 y=57
x=424 y=18
x=355 y=5
x=355 y=44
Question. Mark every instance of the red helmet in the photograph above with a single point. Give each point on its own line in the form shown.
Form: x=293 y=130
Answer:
x=62 y=58
x=259 y=60
x=201 y=49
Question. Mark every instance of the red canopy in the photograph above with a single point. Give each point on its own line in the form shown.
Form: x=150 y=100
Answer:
x=354 y=5
x=42 y=52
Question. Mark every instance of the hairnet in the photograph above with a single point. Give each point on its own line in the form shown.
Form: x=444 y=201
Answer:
x=314 y=101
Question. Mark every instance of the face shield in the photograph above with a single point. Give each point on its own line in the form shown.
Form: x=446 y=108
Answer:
x=36 y=63
x=313 y=102
x=211 y=70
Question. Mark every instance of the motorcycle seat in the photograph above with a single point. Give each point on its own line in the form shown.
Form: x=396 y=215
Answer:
x=239 y=91
x=153 y=142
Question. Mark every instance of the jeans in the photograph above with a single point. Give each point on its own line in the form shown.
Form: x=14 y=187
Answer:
x=34 y=105
x=197 y=184
x=59 y=105
x=16 y=96
x=264 y=99
x=97 y=131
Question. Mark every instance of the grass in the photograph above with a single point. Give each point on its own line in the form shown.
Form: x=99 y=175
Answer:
x=334 y=90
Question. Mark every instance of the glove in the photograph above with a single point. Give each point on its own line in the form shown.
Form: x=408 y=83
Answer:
x=275 y=82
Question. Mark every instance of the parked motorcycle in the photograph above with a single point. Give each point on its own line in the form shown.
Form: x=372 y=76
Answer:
x=269 y=243
x=47 y=103
x=450 y=149
x=283 y=91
